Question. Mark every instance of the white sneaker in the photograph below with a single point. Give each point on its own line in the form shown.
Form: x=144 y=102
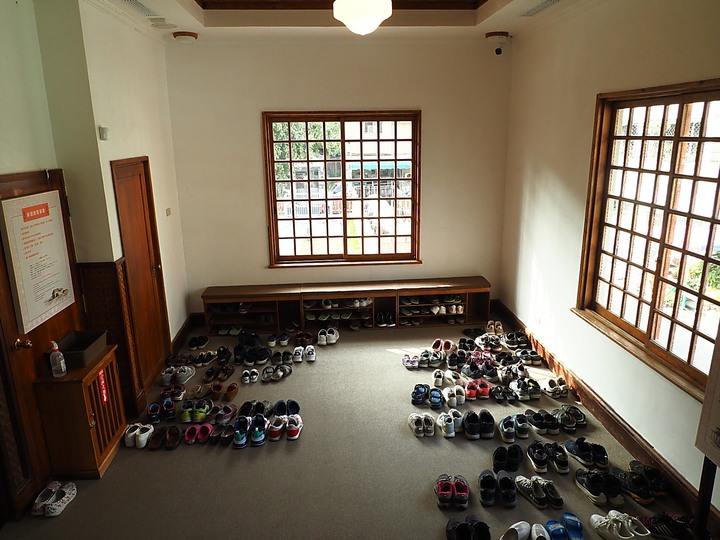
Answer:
x=438 y=378
x=309 y=353
x=517 y=531
x=428 y=425
x=459 y=394
x=452 y=309
x=457 y=419
x=610 y=528
x=446 y=424
x=450 y=396
x=442 y=310
x=142 y=435
x=435 y=310
x=460 y=309
x=131 y=433
x=298 y=354
x=632 y=523
x=333 y=334
x=322 y=337
x=415 y=421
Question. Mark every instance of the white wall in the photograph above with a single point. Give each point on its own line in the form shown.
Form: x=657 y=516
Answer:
x=73 y=126
x=26 y=142
x=128 y=84
x=218 y=92
x=557 y=72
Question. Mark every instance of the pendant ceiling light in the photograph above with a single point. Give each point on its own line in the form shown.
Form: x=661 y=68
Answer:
x=362 y=16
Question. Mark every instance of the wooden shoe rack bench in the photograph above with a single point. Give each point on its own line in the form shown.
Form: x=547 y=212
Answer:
x=272 y=308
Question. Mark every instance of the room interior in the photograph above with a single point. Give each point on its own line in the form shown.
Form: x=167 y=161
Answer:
x=511 y=133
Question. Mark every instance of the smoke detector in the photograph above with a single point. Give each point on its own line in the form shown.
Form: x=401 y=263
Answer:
x=499 y=40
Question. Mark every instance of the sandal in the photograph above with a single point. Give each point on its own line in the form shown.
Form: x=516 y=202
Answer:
x=211 y=374
x=567 y=421
x=225 y=372
x=573 y=526
x=435 y=398
x=556 y=530
x=267 y=374
x=419 y=394
x=510 y=395
x=498 y=394
x=280 y=373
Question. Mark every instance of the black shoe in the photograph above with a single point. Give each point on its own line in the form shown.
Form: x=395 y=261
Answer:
x=380 y=320
x=635 y=485
x=458 y=530
x=487 y=487
x=580 y=450
x=224 y=356
x=600 y=456
x=506 y=489
x=514 y=457
x=592 y=484
x=479 y=529
x=389 y=322
x=557 y=455
x=500 y=456
x=658 y=483
x=538 y=457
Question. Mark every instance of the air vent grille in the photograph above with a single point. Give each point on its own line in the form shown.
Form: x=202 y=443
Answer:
x=141 y=8
x=544 y=4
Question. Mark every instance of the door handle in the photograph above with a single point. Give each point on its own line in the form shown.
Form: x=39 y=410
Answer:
x=154 y=268
x=22 y=344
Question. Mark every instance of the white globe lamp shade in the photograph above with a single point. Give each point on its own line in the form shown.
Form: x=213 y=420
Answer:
x=362 y=16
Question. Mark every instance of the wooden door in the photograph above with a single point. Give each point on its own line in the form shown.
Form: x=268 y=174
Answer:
x=24 y=461
x=146 y=290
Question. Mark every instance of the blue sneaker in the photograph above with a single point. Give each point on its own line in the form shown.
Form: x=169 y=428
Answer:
x=258 y=430
x=242 y=426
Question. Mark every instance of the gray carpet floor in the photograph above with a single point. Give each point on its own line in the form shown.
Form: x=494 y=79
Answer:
x=356 y=472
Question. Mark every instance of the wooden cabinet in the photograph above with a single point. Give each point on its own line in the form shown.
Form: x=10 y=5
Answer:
x=274 y=308
x=82 y=416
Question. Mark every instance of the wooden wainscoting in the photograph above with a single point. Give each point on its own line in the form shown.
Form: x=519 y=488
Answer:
x=107 y=305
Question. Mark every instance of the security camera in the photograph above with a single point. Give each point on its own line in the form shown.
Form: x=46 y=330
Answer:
x=500 y=40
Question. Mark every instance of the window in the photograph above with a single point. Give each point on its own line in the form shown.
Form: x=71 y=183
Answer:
x=651 y=265
x=343 y=188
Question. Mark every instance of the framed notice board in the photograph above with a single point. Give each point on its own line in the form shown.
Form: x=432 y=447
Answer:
x=36 y=250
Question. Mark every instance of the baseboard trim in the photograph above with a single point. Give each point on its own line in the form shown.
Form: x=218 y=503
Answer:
x=684 y=491
x=193 y=320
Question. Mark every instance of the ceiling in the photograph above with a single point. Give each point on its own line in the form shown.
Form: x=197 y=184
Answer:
x=220 y=20
x=327 y=4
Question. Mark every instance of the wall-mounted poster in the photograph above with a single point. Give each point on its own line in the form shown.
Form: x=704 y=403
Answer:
x=37 y=257
x=708 y=436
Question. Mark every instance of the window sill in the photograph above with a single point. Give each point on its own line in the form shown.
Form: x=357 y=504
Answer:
x=639 y=351
x=316 y=264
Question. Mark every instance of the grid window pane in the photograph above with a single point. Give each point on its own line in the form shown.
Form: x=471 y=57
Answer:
x=657 y=242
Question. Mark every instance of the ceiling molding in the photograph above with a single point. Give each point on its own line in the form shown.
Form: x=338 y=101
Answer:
x=327 y=4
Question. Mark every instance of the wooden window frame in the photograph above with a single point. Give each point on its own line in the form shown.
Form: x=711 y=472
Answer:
x=411 y=257
x=632 y=339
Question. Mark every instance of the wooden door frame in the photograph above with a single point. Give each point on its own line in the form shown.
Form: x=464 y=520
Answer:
x=144 y=161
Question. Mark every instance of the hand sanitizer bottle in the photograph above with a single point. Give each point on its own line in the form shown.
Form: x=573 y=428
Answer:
x=57 y=361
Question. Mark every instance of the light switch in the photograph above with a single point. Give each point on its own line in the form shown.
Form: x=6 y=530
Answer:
x=168 y=211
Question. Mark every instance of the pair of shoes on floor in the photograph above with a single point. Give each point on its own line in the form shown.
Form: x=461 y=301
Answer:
x=137 y=435
x=328 y=336
x=570 y=417
x=198 y=342
x=555 y=388
x=569 y=529
x=668 y=525
x=539 y=491
x=52 y=500
x=655 y=479
x=619 y=526
x=543 y=422
x=515 y=425
x=507 y=458
x=166 y=436
x=411 y=362
x=479 y=425
x=494 y=328
x=497 y=486
x=422 y=425
x=275 y=373
x=180 y=374
x=452 y=491
x=470 y=529
x=250 y=376
x=516 y=340
x=477 y=389
x=306 y=353
x=600 y=487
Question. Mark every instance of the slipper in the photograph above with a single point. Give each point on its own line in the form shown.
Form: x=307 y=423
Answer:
x=192 y=394
x=267 y=374
x=226 y=372
x=556 y=530
x=498 y=394
x=573 y=526
x=223 y=331
x=235 y=331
